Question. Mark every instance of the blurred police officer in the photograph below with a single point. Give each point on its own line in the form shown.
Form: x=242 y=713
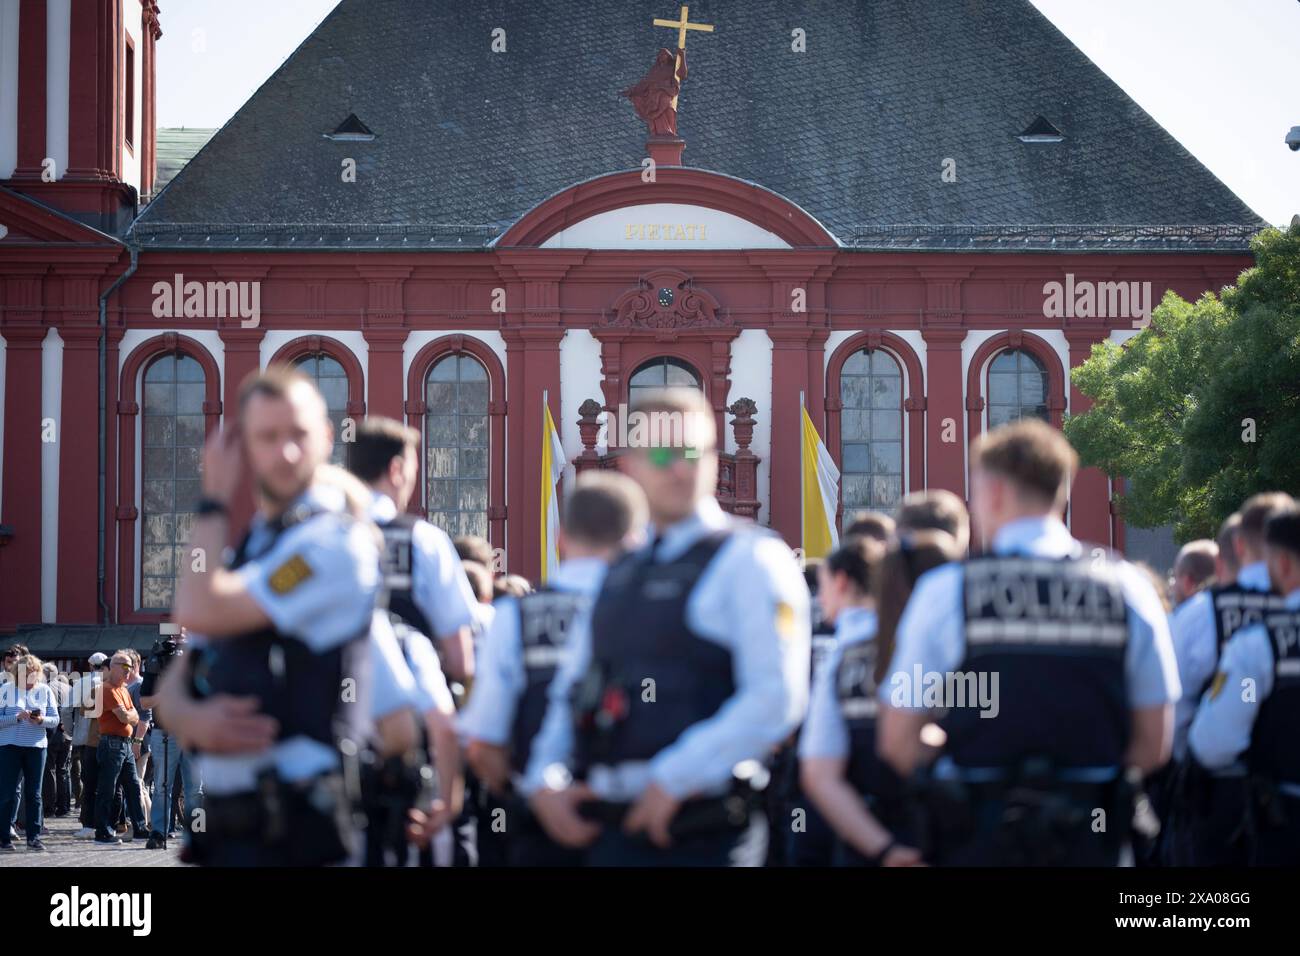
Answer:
x=839 y=768
x=1209 y=806
x=291 y=623
x=428 y=596
x=1085 y=674
x=1252 y=710
x=691 y=666
x=523 y=651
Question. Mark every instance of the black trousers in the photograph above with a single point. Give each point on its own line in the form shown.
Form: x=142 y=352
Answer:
x=58 y=775
x=1280 y=845
x=89 y=784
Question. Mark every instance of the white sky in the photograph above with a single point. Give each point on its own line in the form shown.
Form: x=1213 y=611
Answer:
x=1222 y=76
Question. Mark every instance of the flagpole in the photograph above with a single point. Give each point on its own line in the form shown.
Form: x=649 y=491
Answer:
x=802 y=489
x=546 y=514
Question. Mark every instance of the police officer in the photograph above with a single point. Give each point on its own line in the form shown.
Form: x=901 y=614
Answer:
x=1208 y=807
x=427 y=596
x=523 y=650
x=1085 y=675
x=691 y=666
x=292 y=623
x=1252 y=709
x=837 y=749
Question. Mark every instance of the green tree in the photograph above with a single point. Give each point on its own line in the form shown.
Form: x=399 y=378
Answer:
x=1202 y=408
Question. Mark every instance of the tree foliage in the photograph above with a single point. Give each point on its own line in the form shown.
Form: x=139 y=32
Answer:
x=1202 y=408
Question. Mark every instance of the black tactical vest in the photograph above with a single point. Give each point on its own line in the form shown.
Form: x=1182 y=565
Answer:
x=855 y=695
x=544 y=619
x=302 y=689
x=1275 y=739
x=398 y=568
x=1236 y=607
x=1054 y=631
x=640 y=635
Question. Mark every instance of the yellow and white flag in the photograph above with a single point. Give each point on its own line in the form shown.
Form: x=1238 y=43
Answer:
x=821 y=493
x=553 y=462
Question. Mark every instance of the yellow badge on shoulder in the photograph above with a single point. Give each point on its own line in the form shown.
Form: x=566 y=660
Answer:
x=1217 y=687
x=289 y=575
x=784 y=621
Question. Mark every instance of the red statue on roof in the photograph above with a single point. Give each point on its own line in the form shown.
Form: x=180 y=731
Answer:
x=655 y=96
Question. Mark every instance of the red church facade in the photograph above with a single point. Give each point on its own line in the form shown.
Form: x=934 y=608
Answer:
x=902 y=355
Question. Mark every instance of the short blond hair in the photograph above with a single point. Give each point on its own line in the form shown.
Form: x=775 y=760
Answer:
x=1032 y=455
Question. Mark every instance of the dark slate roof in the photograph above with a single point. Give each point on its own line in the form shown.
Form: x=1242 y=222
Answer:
x=854 y=130
x=176 y=147
x=67 y=640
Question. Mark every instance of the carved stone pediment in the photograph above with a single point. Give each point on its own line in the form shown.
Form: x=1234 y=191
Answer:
x=667 y=299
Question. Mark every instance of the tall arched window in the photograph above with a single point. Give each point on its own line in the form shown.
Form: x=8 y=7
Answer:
x=456 y=399
x=332 y=380
x=662 y=372
x=1017 y=388
x=871 y=431
x=173 y=433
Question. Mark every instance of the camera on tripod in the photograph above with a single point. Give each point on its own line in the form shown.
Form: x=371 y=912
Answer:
x=164 y=651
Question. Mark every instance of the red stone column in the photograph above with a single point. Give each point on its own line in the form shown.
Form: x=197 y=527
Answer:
x=20 y=511
x=789 y=377
x=78 y=435
x=1090 y=518
x=32 y=27
x=243 y=356
x=532 y=367
x=945 y=444
x=385 y=376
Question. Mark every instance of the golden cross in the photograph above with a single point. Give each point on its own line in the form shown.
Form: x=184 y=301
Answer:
x=682 y=26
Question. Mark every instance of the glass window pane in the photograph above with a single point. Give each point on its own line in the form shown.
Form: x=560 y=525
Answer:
x=444 y=371
x=882 y=363
x=854 y=424
x=1002 y=389
x=159 y=398
x=886 y=392
x=189 y=399
x=856 y=458
x=441 y=429
x=1002 y=414
x=162 y=370
x=155 y=594
x=159 y=431
x=473 y=463
x=1004 y=362
x=680 y=374
x=442 y=494
x=887 y=424
x=471 y=370
x=188 y=369
x=189 y=429
x=856 y=491
x=474 y=430
x=650 y=375
x=886 y=491
x=158 y=496
x=859 y=363
x=855 y=391
x=158 y=462
x=473 y=398
x=1033 y=389
x=156 y=559
x=887 y=458
x=441 y=398
x=442 y=462
x=158 y=529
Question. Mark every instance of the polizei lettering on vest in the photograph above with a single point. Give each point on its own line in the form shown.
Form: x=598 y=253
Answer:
x=102 y=909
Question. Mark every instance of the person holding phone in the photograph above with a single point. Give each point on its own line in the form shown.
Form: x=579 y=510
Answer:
x=27 y=711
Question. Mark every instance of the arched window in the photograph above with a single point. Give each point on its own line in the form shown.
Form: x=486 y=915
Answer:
x=871 y=431
x=1017 y=388
x=456 y=396
x=662 y=372
x=332 y=380
x=173 y=434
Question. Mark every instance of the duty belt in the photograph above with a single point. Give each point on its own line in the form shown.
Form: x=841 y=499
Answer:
x=693 y=818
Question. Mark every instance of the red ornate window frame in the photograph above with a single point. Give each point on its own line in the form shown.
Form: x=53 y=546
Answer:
x=306 y=345
x=977 y=378
x=913 y=405
x=424 y=360
x=127 y=512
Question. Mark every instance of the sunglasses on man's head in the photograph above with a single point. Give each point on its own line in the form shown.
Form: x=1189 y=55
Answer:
x=663 y=457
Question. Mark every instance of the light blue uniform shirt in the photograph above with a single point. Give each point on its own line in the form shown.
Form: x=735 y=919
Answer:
x=1221 y=730
x=438 y=583
x=13 y=701
x=825 y=734
x=752 y=584
x=500 y=678
x=326 y=608
x=931 y=632
x=1196 y=646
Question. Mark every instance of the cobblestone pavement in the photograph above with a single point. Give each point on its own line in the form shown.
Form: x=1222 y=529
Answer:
x=62 y=850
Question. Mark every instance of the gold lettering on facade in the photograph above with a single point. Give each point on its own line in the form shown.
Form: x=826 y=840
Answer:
x=672 y=231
